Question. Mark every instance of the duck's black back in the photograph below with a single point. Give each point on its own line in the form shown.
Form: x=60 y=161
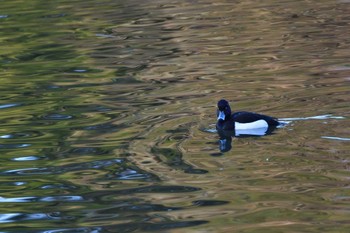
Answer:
x=247 y=117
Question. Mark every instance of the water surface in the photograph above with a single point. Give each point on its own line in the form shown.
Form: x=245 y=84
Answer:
x=107 y=115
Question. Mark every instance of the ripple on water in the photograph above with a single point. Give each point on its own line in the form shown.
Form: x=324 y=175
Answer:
x=88 y=150
x=101 y=127
x=58 y=186
x=75 y=230
x=16 y=217
x=99 y=164
x=141 y=208
x=42 y=199
x=104 y=35
x=131 y=174
x=209 y=130
x=19 y=183
x=169 y=225
x=14 y=146
x=17 y=199
x=6 y=136
x=320 y=117
x=159 y=189
x=336 y=138
x=8 y=105
x=57 y=116
x=61 y=199
x=21 y=135
x=25 y=171
x=26 y=158
x=80 y=70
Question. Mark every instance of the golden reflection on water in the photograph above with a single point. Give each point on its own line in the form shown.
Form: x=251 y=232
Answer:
x=124 y=100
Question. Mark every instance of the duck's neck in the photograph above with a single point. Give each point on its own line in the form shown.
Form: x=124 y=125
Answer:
x=220 y=123
x=228 y=117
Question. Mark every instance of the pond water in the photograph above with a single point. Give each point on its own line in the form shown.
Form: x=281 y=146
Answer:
x=108 y=112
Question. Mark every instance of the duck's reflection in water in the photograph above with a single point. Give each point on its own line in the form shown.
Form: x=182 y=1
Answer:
x=225 y=141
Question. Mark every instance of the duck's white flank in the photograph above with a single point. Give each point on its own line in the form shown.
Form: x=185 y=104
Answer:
x=252 y=125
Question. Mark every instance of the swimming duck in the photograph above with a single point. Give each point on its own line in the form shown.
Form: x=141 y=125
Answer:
x=243 y=123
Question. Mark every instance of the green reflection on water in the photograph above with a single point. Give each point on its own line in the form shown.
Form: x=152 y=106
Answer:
x=105 y=101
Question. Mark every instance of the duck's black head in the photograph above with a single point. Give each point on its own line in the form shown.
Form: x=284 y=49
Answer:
x=224 y=111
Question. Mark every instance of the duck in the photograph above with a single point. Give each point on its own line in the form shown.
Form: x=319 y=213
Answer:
x=243 y=123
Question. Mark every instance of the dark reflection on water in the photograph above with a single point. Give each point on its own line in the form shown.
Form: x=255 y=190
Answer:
x=107 y=109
